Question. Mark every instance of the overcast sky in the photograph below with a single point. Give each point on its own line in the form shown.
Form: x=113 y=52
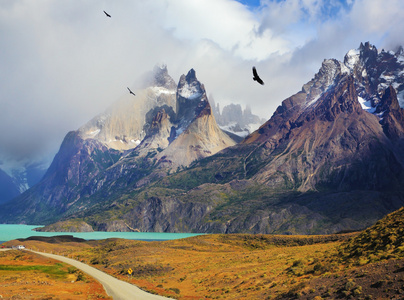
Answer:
x=62 y=62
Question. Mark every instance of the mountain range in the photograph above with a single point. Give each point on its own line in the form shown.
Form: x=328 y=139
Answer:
x=329 y=159
x=122 y=131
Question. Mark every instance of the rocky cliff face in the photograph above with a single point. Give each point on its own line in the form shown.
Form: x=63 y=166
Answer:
x=66 y=182
x=106 y=154
x=334 y=145
x=196 y=134
x=342 y=131
x=122 y=126
x=329 y=159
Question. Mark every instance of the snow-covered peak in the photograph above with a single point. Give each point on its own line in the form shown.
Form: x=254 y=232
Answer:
x=400 y=56
x=189 y=87
x=373 y=72
x=352 y=58
x=322 y=81
x=158 y=77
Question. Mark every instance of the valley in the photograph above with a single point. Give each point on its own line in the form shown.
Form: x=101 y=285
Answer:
x=360 y=265
x=217 y=149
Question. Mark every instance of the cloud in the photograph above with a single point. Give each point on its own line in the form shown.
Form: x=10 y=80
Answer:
x=63 y=62
x=227 y=23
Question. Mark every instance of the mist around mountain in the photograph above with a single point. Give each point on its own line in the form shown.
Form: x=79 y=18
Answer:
x=8 y=189
x=330 y=159
x=164 y=128
x=121 y=127
x=15 y=180
x=233 y=118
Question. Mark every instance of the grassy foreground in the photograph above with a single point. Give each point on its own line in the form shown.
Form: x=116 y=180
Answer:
x=366 y=265
x=25 y=275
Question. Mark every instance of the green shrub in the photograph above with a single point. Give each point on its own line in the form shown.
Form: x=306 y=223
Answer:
x=175 y=290
x=357 y=291
x=80 y=277
x=72 y=270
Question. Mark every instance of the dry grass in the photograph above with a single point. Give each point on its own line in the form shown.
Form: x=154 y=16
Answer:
x=210 y=266
x=240 y=266
x=26 y=275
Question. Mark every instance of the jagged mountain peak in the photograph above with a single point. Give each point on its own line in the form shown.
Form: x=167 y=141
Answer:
x=399 y=51
x=195 y=134
x=373 y=73
x=339 y=98
x=191 y=76
x=189 y=87
x=191 y=97
x=367 y=48
x=329 y=71
x=200 y=138
x=321 y=163
x=161 y=78
x=335 y=119
x=121 y=126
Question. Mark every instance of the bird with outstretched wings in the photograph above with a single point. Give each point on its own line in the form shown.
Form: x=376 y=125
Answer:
x=131 y=92
x=108 y=15
x=256 y=77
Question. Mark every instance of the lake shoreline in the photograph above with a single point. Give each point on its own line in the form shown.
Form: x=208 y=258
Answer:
x=10 y=232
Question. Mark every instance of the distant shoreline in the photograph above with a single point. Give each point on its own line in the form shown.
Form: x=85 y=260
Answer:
x=19 y=231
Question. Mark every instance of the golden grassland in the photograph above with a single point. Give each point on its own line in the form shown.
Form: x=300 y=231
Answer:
x=366 y=265
x=25 y=275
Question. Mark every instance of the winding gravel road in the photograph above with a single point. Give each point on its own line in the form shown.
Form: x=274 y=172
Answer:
x=117 y=289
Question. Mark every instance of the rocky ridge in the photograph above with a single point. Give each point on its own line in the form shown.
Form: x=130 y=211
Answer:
x=96 y=158
x=122 y=126
x=328 y=160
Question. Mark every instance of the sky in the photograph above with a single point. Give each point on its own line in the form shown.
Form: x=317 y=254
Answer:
x=63 y=62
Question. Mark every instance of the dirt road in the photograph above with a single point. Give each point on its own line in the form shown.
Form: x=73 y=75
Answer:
x=117 y=289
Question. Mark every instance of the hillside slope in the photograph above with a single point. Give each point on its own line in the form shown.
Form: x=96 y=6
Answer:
x=133 y=143
x=330 y=159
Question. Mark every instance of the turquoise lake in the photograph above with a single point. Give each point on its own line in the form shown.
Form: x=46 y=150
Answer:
x=16 y=231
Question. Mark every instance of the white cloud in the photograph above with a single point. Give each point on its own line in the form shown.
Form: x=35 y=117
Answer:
x=227 y=23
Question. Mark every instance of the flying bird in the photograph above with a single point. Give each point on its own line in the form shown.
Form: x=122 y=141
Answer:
x=109 y=16
x=131 y=92
x=256 y=77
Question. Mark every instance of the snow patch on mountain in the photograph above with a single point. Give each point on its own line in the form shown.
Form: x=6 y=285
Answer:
x=314 y=100
x=366 y=105
x=190 y=91
x=352 y=58
x=232 y=129
x=26 y=173
x=400 y=58
x=94 y=133
x=373 y=73
x=241 y=132
x=158 y=90
x=400 y=98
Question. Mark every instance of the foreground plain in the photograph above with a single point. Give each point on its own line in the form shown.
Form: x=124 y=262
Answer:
x=363 y=265
x=25 y=275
